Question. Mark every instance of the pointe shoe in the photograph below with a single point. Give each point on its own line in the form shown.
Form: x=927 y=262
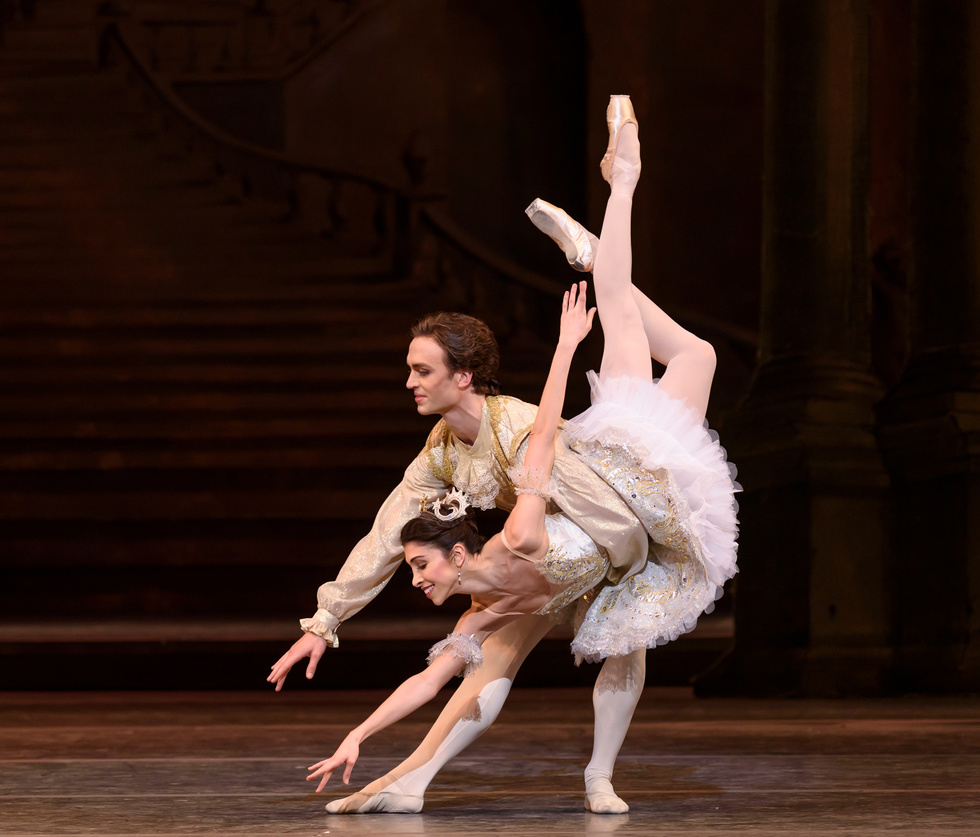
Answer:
x=578 y=244
x=600 y=798
x=619 y=112
x=382 y=802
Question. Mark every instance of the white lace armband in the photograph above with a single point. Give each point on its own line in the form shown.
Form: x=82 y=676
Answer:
x=465 y=648
x=533 y=481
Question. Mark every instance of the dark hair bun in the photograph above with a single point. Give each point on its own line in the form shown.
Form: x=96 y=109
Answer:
x=443 y=534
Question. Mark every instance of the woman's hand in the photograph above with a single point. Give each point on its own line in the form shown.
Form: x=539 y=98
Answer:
x=576 y=320
x=347 y=754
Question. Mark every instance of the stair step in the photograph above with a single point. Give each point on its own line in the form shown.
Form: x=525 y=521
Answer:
x=205 y=427
x=41 y=41
x=219 y=346
x=350 y=316
x=26 y=225
x=91 y=407
x=84 y=283
x=83 y=279
x=47 y=57
x=236 y=653
x=236 y=235
x=347 y=301
x=109 y=544
x=307 y=474
x=431 y=627
x=52 y=465
x=325 y=504
x=30 y=376
x=365 y=626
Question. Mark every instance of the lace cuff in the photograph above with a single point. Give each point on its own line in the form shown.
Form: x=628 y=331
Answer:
x=463 y=647
x=533 y=481
x=318 y=625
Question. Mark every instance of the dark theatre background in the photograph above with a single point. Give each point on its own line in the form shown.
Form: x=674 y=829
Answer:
x=218 y=220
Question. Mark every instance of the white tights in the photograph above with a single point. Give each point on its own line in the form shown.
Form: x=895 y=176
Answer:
x=617 y=691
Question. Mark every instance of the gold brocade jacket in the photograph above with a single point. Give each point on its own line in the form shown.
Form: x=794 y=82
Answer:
x=481 y=471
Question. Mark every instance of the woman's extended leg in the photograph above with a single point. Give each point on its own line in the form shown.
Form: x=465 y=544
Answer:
x=624 y=348
x=468 y=714
x=630 y=319
x=617 y=691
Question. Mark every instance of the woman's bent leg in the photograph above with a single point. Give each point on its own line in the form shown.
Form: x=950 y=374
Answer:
x=690 y=361
x=617 y=691
x=468 y=714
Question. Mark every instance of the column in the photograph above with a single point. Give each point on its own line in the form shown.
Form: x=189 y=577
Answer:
x=930 y=423
x=812 y=614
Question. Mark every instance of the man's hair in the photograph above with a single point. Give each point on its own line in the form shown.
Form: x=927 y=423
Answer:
x=469 y=346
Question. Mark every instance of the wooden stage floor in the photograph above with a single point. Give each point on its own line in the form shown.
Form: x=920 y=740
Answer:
x=232 y=763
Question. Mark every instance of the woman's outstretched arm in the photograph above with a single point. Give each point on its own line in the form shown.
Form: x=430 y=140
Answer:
x=525 y=524
x=418 y=690
x=477 y=624
x=576 y=322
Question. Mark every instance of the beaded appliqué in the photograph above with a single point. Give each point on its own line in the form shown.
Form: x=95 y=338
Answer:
x=652 y=495
x=580 y=572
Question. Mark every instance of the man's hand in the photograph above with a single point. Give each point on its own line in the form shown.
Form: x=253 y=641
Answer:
x=346 y=754
x=308 y=645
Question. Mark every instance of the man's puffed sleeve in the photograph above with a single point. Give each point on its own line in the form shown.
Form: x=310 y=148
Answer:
x=376 y=557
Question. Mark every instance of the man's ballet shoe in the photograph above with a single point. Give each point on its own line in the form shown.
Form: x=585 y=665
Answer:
x=619 y=112
x=578 y=244
x=600 y=798
x=377 y=803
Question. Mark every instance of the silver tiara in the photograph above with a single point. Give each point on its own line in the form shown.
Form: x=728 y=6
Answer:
x=451 y=507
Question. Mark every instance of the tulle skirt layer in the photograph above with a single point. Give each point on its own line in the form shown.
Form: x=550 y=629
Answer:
x=659 y=456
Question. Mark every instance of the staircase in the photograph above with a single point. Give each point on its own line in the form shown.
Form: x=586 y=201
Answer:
x=202 y=405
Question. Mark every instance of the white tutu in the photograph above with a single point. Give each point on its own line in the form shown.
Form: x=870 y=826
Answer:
x=659 y=455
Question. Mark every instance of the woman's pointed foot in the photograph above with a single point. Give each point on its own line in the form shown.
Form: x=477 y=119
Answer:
x=601 y=798
x=577 y=243
x=621 y=163
x=382 y=802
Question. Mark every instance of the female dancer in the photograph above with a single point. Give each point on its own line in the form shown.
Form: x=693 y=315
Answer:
x=647 y=441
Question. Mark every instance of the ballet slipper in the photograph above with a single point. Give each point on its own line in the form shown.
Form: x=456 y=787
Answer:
x=619 y=112
x=577 y=243
x=600 y=798
x=382 y=802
